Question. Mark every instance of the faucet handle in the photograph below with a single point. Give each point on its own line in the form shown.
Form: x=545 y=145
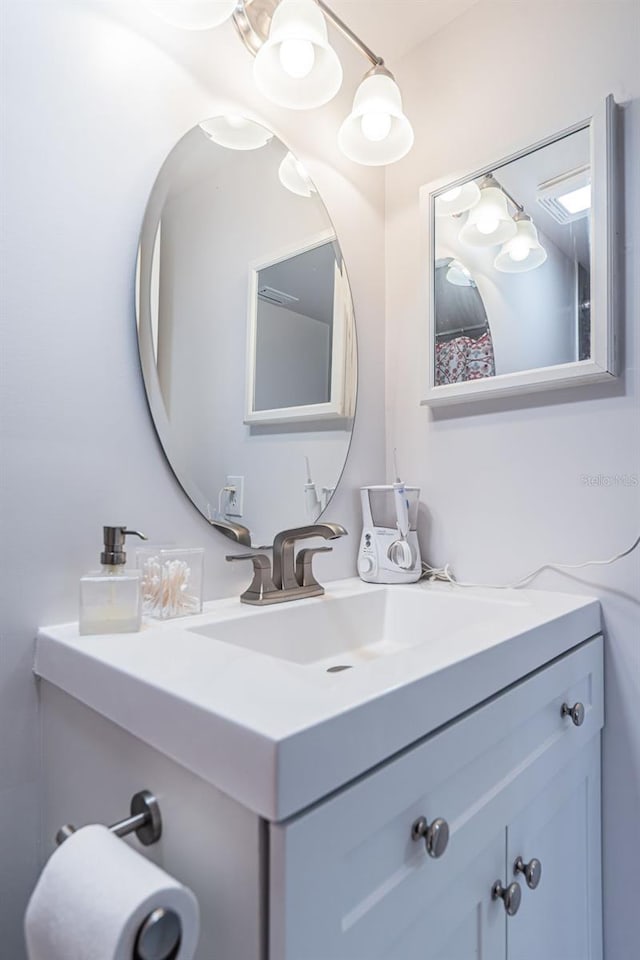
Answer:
x=262 y=582
x=304 y=569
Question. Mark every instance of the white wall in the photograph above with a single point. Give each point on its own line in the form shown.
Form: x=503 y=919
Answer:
x=96 y=94
x=278 y=381
x=510 y=485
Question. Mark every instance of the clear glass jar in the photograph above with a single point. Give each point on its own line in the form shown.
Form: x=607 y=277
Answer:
x=110 y=601
x=172 y=580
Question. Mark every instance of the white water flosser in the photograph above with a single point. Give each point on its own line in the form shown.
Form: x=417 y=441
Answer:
x=312 y=504
x=400 y=551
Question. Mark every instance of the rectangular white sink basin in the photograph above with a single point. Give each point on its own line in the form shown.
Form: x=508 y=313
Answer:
x=339 y=633
x=246 y=697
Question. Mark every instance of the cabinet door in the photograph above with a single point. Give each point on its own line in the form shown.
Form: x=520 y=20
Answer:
x=348 y=881
x=562 y=917
x=462 y=922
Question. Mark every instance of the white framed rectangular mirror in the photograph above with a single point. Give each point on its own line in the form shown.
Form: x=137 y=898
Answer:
x=300 y=350
x=520 y=265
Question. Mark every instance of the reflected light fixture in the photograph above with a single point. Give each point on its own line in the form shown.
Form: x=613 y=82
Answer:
x=293 y=175
x=458 y=199
x=296 y=67
x=576 y=201
x=489 y=221
x=523 y=251
x=193 y=14
x=236 y=132
x=567 y=197
x=458 y=275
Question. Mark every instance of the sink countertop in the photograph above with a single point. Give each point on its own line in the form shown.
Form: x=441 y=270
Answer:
x=277 y=735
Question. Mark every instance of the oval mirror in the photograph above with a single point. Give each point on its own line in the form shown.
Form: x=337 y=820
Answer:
x=246 y=330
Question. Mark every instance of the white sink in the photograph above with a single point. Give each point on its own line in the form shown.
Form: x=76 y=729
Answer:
x=338 y=633
x=256 y=683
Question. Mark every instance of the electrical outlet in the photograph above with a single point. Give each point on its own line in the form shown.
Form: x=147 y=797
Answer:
x=235 y=497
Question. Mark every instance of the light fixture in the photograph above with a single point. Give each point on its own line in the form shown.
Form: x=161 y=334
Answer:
x=567 y=197
x=235 y=132
x=296 y=67
x=294 y=177
x=376 y=132
x=458 y=199
x=458 y=275
x=576 y=201
x=523 y=251
x=489 y=221
x=193 y=14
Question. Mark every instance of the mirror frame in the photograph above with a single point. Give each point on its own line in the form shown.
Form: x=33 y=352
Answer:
x=604 y=230
x=335 y=407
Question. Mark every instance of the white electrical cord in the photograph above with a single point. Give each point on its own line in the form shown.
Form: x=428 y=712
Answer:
x=444 y=573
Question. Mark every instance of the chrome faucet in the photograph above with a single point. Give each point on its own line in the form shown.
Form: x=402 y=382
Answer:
x=292 y=577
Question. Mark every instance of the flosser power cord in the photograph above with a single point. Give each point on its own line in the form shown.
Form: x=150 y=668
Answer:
x=445 y=573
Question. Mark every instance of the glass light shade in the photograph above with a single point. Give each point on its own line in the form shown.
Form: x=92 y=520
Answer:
x=236 y=133
x=489 y=221
x=523 y=252
x=193 y=14
x=458 y=200
x=376 y=131
x=294 y=177
x=296 y=67
x=458 y=275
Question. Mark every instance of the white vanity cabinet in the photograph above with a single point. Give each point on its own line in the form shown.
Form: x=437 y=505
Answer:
x=290 y=793
x=512 y=778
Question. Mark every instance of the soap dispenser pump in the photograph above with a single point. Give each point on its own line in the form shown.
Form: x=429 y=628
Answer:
x=111 y=598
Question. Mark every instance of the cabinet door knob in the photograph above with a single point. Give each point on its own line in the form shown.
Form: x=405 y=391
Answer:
x=510 y=896
x=532 y=871
x=576 y=712
x=435 y=835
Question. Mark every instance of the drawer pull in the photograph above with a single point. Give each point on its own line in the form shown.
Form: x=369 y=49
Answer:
x=531 y=871
x=435 y=835
x=511 y=896
x=576 y=712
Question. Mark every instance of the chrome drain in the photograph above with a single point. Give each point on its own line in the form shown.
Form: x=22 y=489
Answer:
x=339 y=668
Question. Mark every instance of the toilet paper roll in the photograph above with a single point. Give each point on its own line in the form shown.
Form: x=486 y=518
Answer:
x=94 y=894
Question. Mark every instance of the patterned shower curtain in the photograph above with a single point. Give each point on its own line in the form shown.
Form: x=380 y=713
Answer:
x=464 y=358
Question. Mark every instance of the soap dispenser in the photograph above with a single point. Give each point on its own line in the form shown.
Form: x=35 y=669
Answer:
x=111 y=598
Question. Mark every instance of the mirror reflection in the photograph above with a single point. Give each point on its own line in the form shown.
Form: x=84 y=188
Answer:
x=294 y=327
x=300 y=363
x=512 y=253
x=246 y=329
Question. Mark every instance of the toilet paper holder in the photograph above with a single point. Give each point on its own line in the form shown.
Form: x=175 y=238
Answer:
x=144 y=820
x=159 y=935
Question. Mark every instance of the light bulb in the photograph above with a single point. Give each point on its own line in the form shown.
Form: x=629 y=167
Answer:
x=523 y=252
x=487 y=224
x=451 y=195
x=376 y=126
x=297 y=57
x=376 y=131
x=519 y=248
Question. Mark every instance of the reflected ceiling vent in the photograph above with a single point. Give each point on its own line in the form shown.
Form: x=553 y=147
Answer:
x=567 y=197
x=276 y=296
